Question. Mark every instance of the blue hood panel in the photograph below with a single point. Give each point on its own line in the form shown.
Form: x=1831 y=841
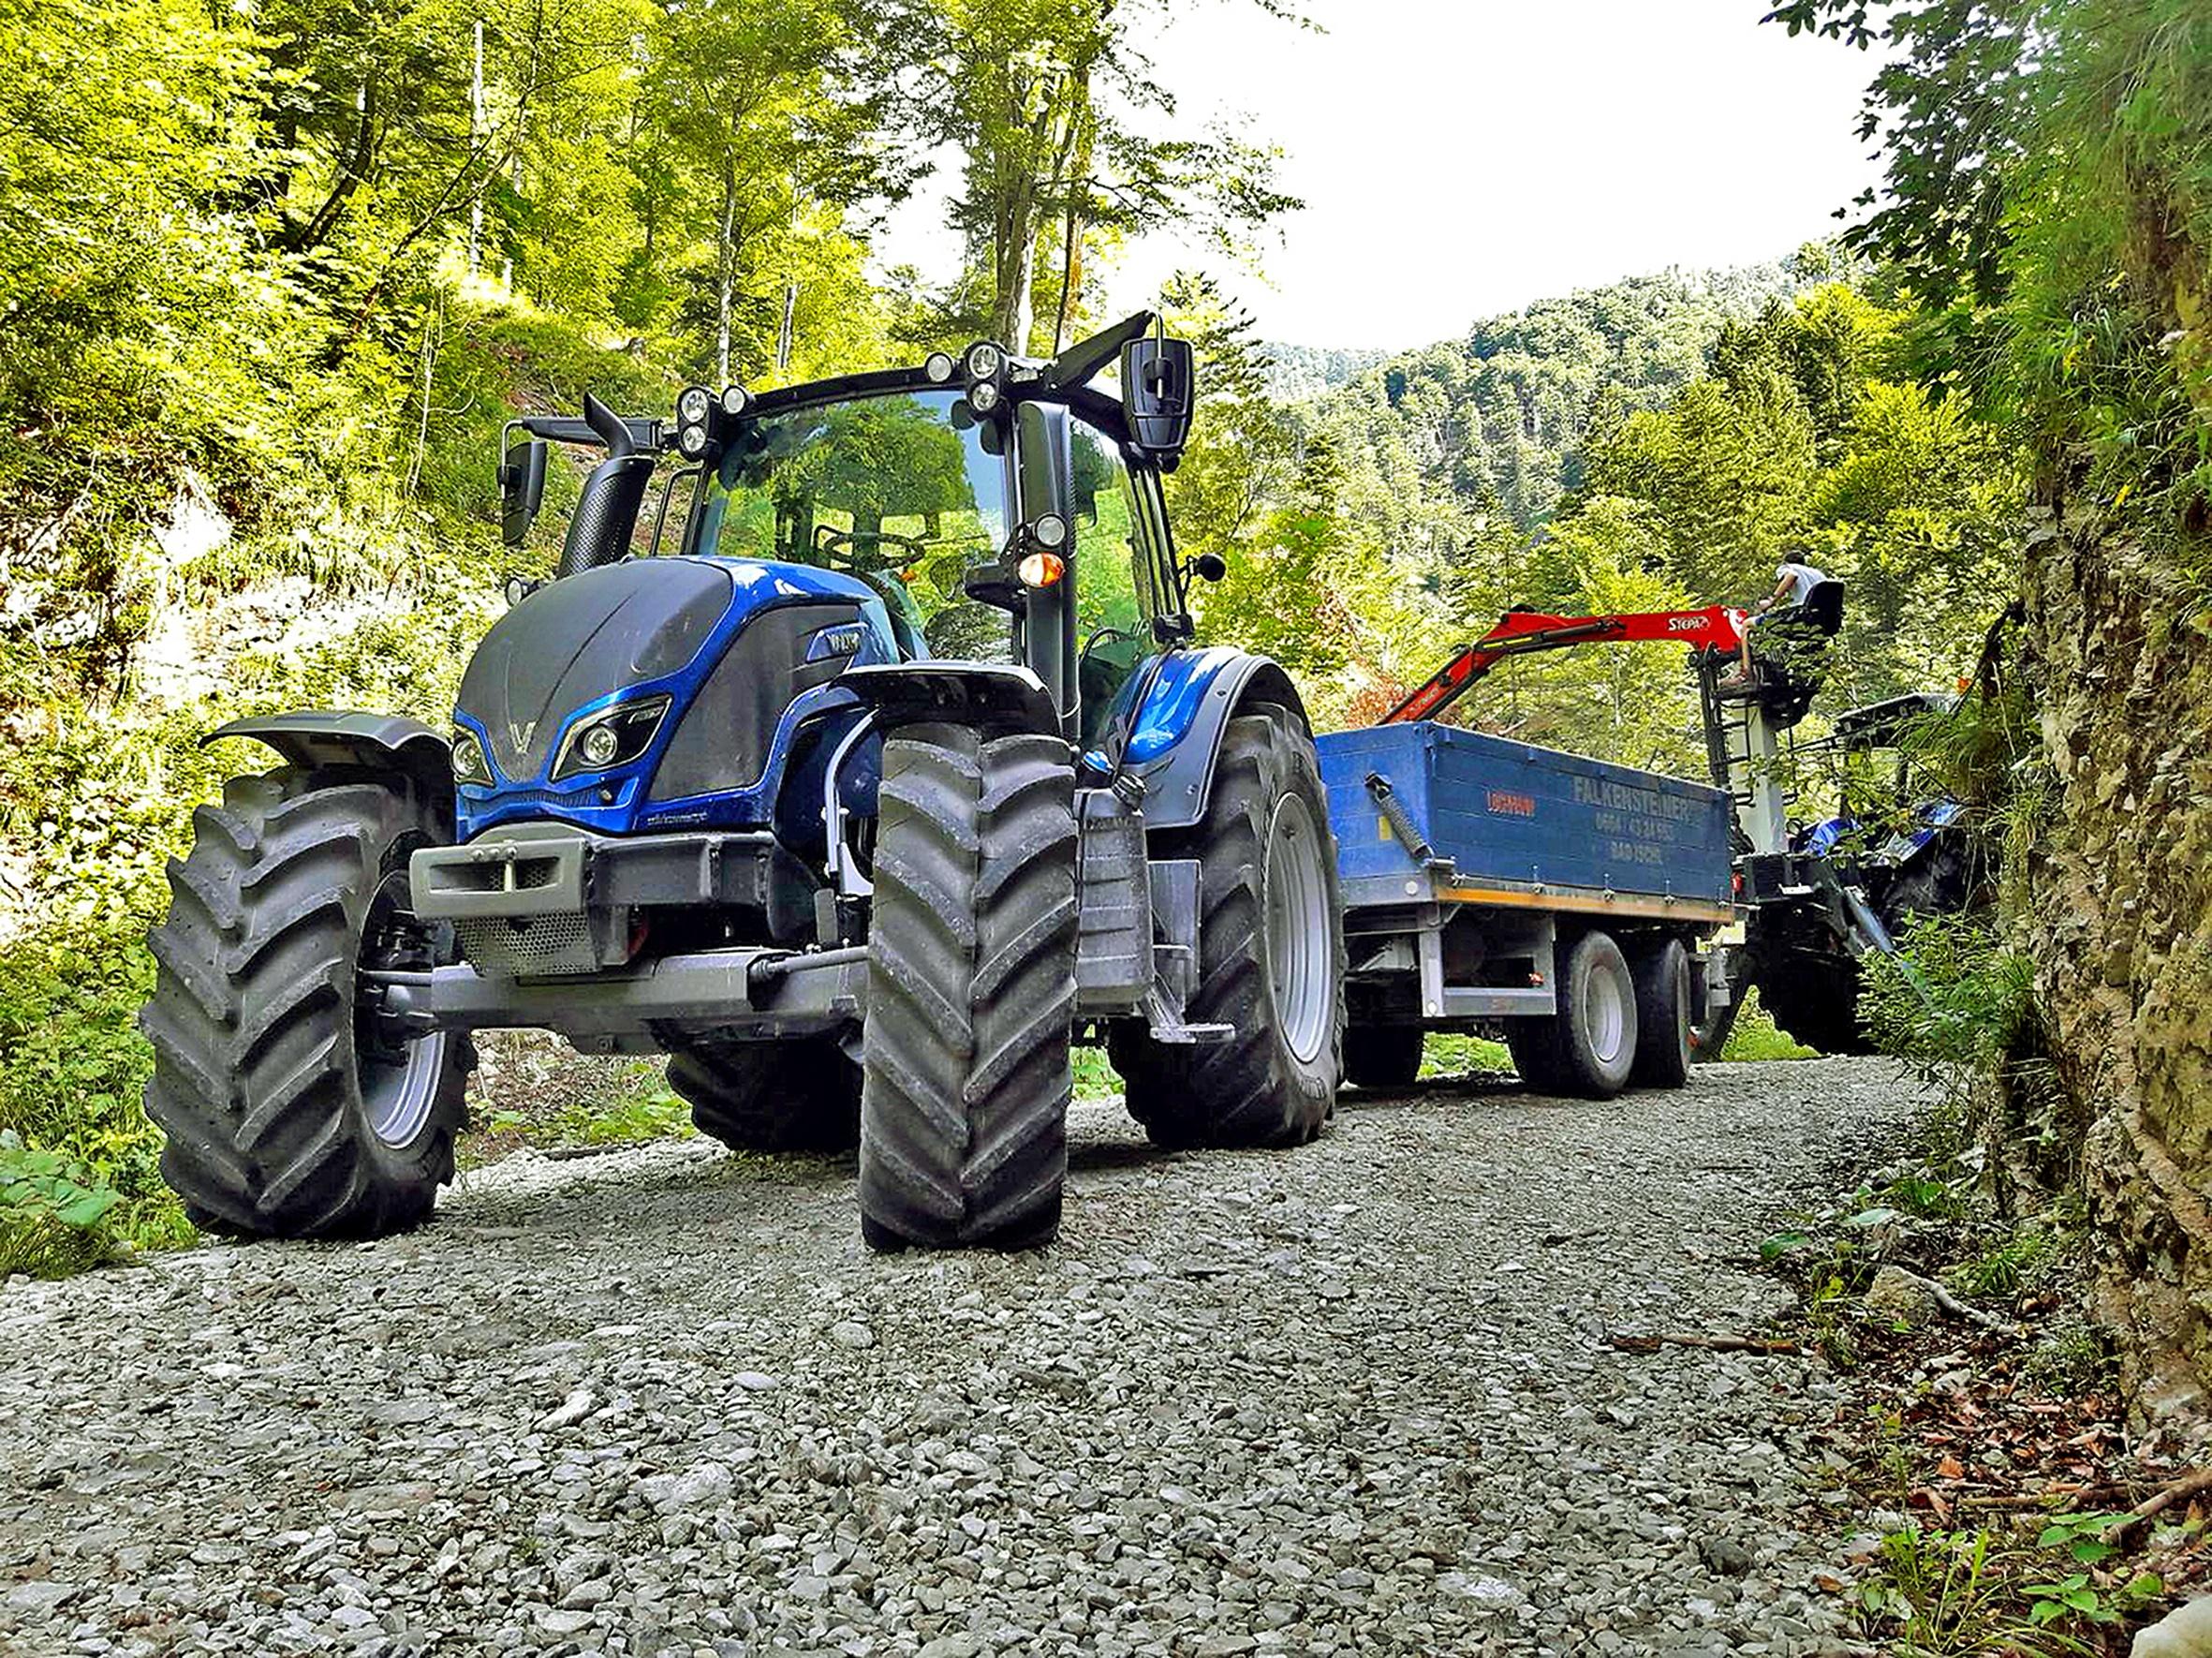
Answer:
x=649 y=627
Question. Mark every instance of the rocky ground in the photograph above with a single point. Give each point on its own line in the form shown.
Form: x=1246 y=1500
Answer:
x=1352 y=1398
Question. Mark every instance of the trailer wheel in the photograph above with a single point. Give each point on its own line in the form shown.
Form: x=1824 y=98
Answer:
x=768 y=1096
x=971 y=992
x=292 y=1105
x=1597 y=1018
x=1382 y=1056
x=1271 y=957
x=1662 y=1015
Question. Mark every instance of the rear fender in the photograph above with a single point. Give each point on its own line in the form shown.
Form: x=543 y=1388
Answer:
x=373 y=742
x=1176 y=733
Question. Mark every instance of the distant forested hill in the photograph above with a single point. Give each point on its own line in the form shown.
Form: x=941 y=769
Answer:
x=1296 y=373
x=1498 y=418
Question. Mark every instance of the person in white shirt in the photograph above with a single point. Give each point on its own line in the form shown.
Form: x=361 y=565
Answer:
x=1793 y=581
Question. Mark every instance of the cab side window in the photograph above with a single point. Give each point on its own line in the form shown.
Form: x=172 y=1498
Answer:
x=1111 y=630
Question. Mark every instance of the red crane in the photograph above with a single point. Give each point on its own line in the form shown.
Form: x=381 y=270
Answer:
x=1523 y=633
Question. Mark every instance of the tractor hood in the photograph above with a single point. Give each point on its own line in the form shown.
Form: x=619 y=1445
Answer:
x=578 y=640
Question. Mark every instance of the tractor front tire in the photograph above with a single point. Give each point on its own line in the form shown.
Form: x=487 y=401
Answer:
x=1271 y=957
x=800 y=1095
x=971 y=992
x=292 y=1108
x=1382 y=1056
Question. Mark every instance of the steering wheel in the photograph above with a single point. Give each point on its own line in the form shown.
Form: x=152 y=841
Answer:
x=830 y=541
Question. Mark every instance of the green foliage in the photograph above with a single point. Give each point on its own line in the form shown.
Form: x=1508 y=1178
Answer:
x=630 y=1119
x=1955 y=1594
x=1095 y=1075
x=57 y=1217
x=1444 y=1054
x=1952 y=999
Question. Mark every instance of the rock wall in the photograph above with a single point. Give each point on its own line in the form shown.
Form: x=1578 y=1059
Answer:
x=2120 y=914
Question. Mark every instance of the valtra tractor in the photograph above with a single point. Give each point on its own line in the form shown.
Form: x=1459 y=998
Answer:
x=857 y=757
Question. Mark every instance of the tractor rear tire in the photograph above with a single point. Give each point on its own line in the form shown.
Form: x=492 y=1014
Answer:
x=1596 y=1019
x=1382 y=1056
x=290 y=1108
x=971 y=992
x=770 y=1096
x=1271 y=957
x=1816 y=1001
x=1535 y=1046
x=1663 y=1045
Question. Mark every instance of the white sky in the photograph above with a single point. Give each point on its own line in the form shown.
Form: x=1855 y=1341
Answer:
x=1458 y=160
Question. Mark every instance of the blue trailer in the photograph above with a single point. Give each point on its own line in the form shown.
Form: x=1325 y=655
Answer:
x=1487 y=882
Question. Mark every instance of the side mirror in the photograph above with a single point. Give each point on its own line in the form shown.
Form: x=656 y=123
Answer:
x=1159 y=391
x=521 y=488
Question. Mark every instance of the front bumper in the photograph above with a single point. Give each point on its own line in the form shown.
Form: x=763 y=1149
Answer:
x=757 y=994
x=547 y=900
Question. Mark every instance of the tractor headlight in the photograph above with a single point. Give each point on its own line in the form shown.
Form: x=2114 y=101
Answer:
x=983 y=396
x=469 y=765
x=613 y=737
x=985 y=361
x=734 y=399
x=939 y=366
x=692 y=406
x=691 y=441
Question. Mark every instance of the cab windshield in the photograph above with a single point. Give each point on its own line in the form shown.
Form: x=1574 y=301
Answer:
x=905 y=491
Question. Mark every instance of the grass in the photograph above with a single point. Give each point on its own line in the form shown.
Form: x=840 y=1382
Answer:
x=1756 y=1037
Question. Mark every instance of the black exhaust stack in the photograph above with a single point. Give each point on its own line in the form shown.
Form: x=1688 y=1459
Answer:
x=607 y=512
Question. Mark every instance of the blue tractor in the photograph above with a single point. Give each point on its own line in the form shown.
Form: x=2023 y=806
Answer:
x=858 y=757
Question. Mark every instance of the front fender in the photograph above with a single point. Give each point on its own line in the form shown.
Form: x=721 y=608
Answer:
x=379 y=742
x=1175 y=735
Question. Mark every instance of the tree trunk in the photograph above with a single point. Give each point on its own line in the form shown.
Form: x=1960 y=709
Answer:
x=725 y=270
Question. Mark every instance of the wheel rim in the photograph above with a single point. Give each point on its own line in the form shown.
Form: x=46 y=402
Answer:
x=1604 y=1010
x=1297 y=918
x=398 y=1075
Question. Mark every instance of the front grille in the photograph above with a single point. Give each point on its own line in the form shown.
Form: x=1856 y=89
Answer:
x=543 y=946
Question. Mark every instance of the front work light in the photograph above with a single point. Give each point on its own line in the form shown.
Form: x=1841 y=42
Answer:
x=985 y=361
x=691 y=407
x=983 y=396
x=939 y=366
x=734 y=399
x=691 y=441
x=1042 y=569
x=615 y=737
x=468 y=759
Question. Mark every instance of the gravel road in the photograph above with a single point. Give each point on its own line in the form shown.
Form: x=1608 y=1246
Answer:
x=1350 y=1398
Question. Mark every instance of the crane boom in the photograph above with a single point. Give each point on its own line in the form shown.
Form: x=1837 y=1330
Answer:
x=1523 y=633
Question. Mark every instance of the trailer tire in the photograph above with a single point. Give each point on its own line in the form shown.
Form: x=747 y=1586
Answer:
x=768 y=1096
x=290 y=1109
x=971 y=992
x=1271 y=956
x=1662 y=1017
x=1597 y=1018
x=1382 y=1056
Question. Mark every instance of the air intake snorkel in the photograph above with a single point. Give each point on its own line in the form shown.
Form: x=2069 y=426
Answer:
x=607 y=512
